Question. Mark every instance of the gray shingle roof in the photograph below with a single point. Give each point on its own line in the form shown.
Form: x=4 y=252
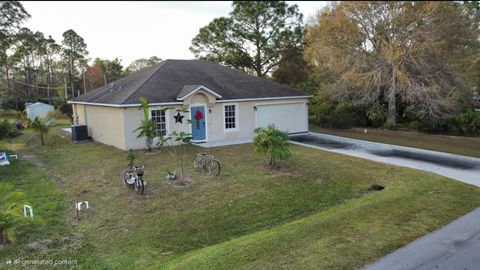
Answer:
x=164 y=81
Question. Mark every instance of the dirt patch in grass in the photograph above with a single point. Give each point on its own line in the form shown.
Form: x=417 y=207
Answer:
x=282 y=169
x=184 y=182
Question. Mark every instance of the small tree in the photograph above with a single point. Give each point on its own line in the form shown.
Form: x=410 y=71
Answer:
x=271 y=143
x=42 y=126
x=147 y=127
x=175 y=144
x=131 y=158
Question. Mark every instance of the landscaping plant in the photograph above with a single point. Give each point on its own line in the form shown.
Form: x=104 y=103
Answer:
x=272 y=143
x=131 y=158
x=175 y=144
x=8 y=130
x=42 y=126
x=10 y=213
x=147 y=127
x=22 y=119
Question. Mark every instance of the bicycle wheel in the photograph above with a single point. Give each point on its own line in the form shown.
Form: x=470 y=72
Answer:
x=126 y=176
x=139 y=186
x=199 y=161
x=214 y=168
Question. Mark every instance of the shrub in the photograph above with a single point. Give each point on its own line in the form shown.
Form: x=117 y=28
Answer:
x=8 y=130
x=131 y=158
x=467 y=123
x=271 y=143
x=377 y=115
x=147 y=127
x=343 y=114
x=42 y=126
x=414 y=125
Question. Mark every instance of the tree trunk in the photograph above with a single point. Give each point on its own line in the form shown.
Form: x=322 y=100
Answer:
x=391 y=119
x=49 y=84
x=71 y=84
x=41 y=138
x=65 y=88
x=16 y=94
x=70 y=73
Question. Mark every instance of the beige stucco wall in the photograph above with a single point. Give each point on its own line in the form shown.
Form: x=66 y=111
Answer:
x=105 y=124
x=116 y=126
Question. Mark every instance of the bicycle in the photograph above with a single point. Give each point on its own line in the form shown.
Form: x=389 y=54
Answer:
x=133 y=177
x=208 y=163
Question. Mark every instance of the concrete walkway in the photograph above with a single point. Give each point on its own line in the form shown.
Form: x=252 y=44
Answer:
x=456 y=245
x=461 y=168
x=223 y=143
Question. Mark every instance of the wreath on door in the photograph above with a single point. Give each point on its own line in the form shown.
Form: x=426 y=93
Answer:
x=198 y=117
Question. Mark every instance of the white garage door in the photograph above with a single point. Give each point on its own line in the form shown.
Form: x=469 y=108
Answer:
x=291 y=117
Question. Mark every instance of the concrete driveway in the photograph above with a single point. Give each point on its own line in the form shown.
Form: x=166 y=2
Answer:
x=456 y=245
x=461 y=168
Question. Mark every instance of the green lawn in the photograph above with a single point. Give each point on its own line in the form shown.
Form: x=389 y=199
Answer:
x=467 y=146
x=315 y=212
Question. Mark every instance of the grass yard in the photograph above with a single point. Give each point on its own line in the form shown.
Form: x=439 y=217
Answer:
x=460 y=145
x=314 y=213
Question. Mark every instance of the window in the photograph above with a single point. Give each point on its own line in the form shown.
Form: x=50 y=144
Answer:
x=230 y=117
x=158 y=118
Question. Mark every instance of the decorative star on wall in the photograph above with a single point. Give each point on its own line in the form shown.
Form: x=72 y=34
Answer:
x=178 y=118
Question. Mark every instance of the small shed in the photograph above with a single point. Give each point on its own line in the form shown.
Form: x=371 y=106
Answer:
x=38 y=109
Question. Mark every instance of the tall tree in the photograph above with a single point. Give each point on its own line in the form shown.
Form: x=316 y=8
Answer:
x=142 y=63
x=12 y=14
x=50 y=51
x=28 y=52
x=75 y=56
x=112 y=69
x=293 y=69
x=94 y=77
x=252 y=37
x=398 y=52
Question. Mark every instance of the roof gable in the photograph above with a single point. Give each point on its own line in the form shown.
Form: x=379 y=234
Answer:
x=188 y=90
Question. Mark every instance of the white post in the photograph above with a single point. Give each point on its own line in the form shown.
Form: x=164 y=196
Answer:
x=78 y=207
x=25 y=207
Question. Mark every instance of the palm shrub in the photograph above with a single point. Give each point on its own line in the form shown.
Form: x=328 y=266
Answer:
x=8 y=130
x=42 y=126
x=147 y=127
x=21 y=118
x=11 y=217
x=272 y=144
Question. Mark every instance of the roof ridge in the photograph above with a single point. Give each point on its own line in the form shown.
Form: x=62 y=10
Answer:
x=161 y=64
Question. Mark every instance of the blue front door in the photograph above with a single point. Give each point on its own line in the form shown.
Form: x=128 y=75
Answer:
x=198 y=122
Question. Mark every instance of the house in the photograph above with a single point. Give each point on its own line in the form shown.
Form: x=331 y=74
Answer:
x=38 y=109
x=222 y=103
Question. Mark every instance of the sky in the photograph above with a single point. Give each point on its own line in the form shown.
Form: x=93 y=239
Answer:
x=133 y=30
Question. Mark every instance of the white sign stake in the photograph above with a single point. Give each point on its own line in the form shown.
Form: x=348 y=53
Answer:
x=78 y=207
x=30 y=211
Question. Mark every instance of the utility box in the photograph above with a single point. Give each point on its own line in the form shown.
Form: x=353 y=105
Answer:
x=79 y=133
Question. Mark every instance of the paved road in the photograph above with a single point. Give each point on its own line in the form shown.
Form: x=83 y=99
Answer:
x=455 y=246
